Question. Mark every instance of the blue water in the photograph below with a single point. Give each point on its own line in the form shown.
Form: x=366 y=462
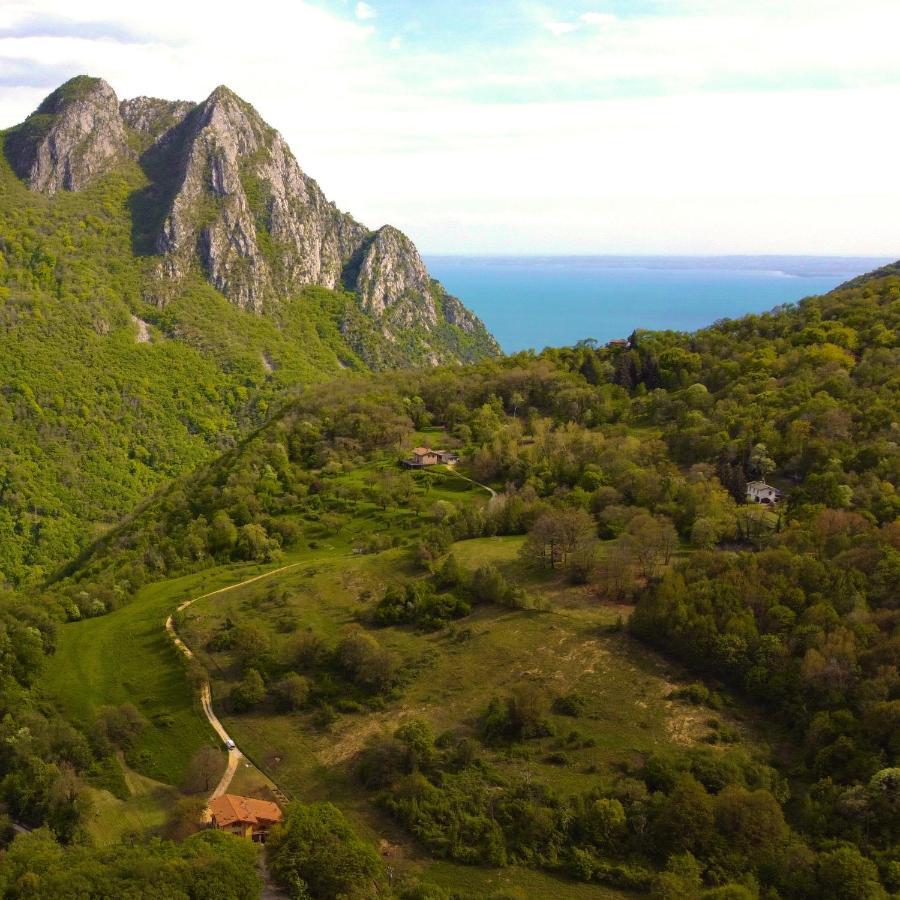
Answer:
x=536 y=302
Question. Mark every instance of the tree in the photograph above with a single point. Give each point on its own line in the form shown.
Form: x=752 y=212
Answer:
x=685 y=822
x=616 y=572
x=204 y=770
x=556 y=535
x=291 y=692
x=489 y=585
x=651 y=540
x=249 y=693
x=121 y=725
x=366 y=663
x=184 y=818
x=845 y=874
x=681 y=879
x=519 y=716
x=252 y=645
x=223 y=533
x=254 y=543
x=751 y=822
x=314 y=853
x=761 y=464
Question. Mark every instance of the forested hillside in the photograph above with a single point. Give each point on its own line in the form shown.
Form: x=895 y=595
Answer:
x=624 y=471
x=114 y=378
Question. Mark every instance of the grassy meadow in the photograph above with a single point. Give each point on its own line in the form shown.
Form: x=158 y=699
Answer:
x=571 y=643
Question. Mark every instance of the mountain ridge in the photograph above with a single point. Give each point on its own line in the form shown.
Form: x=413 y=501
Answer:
x=227 y=198
x=115 y=375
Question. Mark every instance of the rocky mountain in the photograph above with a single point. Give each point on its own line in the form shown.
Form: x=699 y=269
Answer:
x=168 y=275
x=227 y=199
x=75 y=135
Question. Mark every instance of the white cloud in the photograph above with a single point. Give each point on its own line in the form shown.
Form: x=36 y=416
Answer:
x=559 y=28
x=421 y=138
x=365 y=11
x=597 y=18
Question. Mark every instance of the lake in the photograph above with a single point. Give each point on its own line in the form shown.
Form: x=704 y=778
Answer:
x=536 y=302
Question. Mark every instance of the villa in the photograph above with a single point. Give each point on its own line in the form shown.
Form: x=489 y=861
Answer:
x=244 y=816
x=760 y=492
x=425 y=456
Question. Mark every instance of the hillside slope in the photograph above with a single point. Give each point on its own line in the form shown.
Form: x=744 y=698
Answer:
x=461 y=670
x=146 y=321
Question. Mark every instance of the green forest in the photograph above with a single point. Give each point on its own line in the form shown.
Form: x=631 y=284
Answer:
x=107 y=394
x=443 y=666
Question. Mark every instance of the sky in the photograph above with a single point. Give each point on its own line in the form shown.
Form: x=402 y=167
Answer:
x=511 y=126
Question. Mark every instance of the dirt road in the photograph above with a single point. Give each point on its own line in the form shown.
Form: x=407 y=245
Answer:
x=234 y=753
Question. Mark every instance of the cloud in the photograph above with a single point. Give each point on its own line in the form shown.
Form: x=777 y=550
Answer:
x=560 y=28
x=53 y=26
x=365 y=11
x=705 y=126
x=598 y=18
x=31 y=73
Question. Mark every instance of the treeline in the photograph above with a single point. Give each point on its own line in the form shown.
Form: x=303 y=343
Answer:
x=809 y=627
x=705 y=823
x=208 y=865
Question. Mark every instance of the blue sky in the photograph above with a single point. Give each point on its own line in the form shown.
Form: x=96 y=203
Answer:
x=676 y=126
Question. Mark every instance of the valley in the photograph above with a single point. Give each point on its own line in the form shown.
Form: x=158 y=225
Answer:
x=570 y=644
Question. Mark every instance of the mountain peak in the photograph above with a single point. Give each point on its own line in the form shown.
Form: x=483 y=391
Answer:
x=75 y=134
x=227 y=200
x=81 y=88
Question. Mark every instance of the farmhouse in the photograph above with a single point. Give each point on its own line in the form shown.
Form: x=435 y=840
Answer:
x=760 y=492
x=244 y=816
x=425 y=456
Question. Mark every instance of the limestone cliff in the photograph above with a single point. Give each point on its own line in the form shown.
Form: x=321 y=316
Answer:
x=245 y=211
x=392 y=278
x=153 y=117
x=226 y=198
x=75 y=135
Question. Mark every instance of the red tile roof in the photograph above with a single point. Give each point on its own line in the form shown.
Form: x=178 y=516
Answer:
x=231 y=808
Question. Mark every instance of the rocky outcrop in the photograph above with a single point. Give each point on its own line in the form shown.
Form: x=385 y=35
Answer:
x=153 y=117
x=75 y=135
x=262 y=227
x=460 y=316
x=226 y=197
x=392 y=278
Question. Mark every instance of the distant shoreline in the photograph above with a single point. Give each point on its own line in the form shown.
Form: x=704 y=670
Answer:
x=529 y=302
x=793 y=266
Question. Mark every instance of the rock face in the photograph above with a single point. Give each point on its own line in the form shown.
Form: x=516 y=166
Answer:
x=75 y=135
x=258 y=225
x=151 y=116
x=227 y=198
x=393 y=278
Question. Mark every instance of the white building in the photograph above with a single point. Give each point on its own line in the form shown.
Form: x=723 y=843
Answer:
x=760 y=492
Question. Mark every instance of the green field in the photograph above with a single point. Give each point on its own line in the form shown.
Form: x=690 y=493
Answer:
x=571 y=643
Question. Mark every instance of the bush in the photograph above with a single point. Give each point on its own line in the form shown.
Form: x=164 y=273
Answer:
x=571 y=704
x=249 y=693
x=314 y=853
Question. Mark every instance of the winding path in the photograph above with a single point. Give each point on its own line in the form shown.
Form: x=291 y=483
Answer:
x=451 y=471
x=234 y=753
